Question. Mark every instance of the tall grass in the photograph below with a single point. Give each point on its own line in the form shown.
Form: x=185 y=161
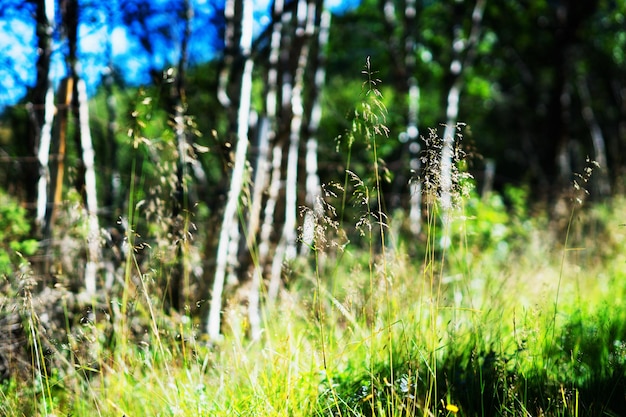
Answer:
x=512 y=316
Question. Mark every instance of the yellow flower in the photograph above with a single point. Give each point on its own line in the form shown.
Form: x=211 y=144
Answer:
x=452 y=408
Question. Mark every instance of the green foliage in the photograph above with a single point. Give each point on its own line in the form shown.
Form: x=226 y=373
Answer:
x=14 y=235
x=376 y=337
x=491 y=227
x=363 y=329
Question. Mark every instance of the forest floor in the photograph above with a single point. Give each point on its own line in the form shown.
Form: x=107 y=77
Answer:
x=519 y=315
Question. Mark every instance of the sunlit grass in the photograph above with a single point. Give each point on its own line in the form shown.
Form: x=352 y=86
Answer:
x=513 y=315
x=490 y=332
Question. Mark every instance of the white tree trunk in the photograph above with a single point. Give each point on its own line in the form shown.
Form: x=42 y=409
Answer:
x=313 y=187
x=286 y=249
x=229 y=222
x=275 y=178
x=267 y=132
x=93 y=233
x=43 y=155
x=45 y=134
x=259 y=185
x=452 y=112
x=447 y=151
x=415 y=186
x=268 y=221
x=412 y=131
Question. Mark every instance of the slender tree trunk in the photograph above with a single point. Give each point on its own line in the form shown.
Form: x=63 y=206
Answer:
x=113 y=196
x=259 y=185
x=269 y=124
x=229 y=223
x=268 y=129
x=305 y=17
x=66 y=93
x=402 y=54
x=179 y=119
x=43 y=155
x=415 y=185
x=184 y=141
x=45 y=25
x=71 y=12
x=457 y=66
x=412 y=131
x=268 y=221
x=313 y=187
x=178 y=281
x=285 y=77
x=93 y=234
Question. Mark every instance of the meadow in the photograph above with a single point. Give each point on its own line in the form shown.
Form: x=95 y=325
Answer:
x=498 y=308
x=513 y=318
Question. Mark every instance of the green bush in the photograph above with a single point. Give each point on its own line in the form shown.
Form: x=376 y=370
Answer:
x=14 y=232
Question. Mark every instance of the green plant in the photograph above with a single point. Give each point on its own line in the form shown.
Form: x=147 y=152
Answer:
x=366 y=327
x=15 y=243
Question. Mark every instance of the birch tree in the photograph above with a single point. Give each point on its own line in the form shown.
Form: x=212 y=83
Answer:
x=87 y=180
x=293 y=85
x=230 y=227
x=313 y=186
x=306 y=21
x=412 y=129
x=400 y=23
x=88 y=157
x=267 y=174
x=464 y=51
x=44 y=97
x=271 y=233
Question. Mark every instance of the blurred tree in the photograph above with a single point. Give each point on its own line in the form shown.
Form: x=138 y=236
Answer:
x=523 y=96
x=464 y=52
x=42 y=109
x=86 y=178
x=238 y=14
x=531 y=85
x=283 y=51
x=540 y=85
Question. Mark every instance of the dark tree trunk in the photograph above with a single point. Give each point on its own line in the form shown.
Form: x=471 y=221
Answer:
x=41 y=115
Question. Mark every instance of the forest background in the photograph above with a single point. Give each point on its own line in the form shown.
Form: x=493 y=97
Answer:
x=170 y=165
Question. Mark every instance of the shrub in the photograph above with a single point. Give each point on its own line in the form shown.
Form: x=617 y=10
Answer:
x=14 y=232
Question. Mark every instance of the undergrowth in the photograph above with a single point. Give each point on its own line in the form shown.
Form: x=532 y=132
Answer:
x=514 y=316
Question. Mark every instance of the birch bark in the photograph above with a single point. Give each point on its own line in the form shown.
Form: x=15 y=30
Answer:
x=45 y=22
x=229 y=222
x=268 y=130
x=412 y=130
x=267 y=127
x=458 y=64
x=286 y=250
x=313 y=187
x=43 y=156
x=93 y=234
x=260 y=183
